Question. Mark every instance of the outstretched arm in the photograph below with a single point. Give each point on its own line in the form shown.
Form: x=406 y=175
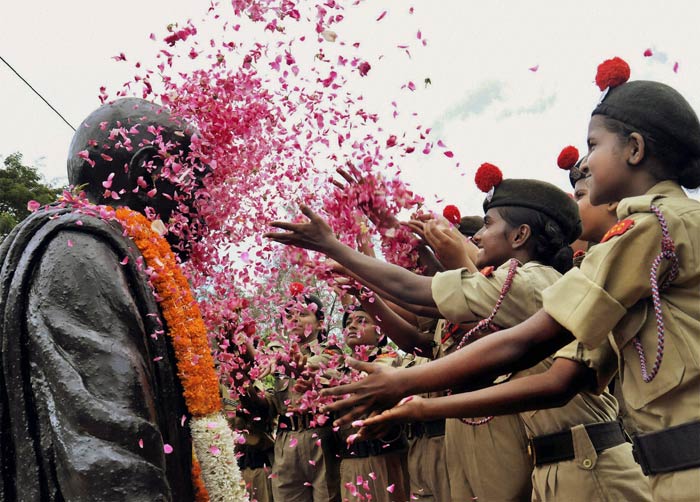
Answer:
x=513 y=349
x=407 y=336
x=316 y=235
x=551 y=389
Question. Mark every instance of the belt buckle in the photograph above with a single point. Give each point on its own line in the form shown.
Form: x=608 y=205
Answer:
x=639 y=457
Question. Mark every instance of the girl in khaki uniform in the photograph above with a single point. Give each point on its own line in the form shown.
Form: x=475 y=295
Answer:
x=493 y=457
x=641 y=284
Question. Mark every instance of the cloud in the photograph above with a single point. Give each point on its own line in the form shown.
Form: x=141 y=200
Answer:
x=540 y=106
x=475 y=103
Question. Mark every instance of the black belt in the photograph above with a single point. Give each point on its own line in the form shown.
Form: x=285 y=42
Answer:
x=252 y=458
x=374 y=447
x=559 y=446
x=297 y=422
x=431 y=429
x=673 y=449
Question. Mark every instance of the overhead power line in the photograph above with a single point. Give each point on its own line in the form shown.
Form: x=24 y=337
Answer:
x=36 y=92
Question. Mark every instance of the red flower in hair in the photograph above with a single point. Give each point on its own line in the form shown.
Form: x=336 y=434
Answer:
x=296 y=288
x=451 y=214
x=487 y=177
x=611 y=73
x=568 y=157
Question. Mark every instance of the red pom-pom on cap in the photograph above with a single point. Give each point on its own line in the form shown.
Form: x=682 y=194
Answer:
x=296 y=288
x=568 y=157
x=487 y=177
x=611 y=73
x=452 y=214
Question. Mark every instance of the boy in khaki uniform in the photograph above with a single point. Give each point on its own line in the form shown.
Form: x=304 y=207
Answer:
x=306 y=464
x=374 y=470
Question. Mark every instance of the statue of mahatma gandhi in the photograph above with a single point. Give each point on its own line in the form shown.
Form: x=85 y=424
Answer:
x=82 y=385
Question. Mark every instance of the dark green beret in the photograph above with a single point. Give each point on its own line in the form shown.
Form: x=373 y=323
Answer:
x=540 y=196
x=656 y=110
x=469 y=225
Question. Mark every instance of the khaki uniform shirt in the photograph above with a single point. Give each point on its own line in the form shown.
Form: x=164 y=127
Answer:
x=612 y=293
x=284 y=396
x=489 y=461
x=462 y=296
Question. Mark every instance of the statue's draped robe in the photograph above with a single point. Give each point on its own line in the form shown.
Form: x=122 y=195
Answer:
x=81 y=382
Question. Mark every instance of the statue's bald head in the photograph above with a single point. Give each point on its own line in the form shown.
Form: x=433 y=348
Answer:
x=133 y=153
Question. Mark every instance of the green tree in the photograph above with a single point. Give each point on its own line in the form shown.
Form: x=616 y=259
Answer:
x=19 y=184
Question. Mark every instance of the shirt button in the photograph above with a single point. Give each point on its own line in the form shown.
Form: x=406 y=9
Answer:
x=587 y=463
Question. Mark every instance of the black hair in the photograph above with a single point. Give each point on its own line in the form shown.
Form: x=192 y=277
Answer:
x=676 y=162
x=550 y=245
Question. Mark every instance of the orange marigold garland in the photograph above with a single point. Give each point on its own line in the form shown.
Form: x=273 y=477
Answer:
x=212 y=439
x=187 y=331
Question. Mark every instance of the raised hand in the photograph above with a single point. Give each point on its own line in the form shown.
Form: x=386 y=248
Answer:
x=450 y=246
x=379 y=390
x=380 y=218
x=315 y=235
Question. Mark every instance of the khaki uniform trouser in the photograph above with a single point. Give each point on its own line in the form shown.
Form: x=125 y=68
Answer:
x=306 y=472
x=258 y=484
x=680 y=486
x=609 y=476
x=388 y=469
x=488 y=461
x=427 y=469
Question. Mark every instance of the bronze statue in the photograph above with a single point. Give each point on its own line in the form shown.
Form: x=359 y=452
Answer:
x=89 y=391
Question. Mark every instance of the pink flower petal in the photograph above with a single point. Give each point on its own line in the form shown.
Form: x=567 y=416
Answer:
x=33 y=205
x=390 y=488
x=648 y=53
x=167 y=449
x=381 y=16
x=214 y=450
x=141 y=443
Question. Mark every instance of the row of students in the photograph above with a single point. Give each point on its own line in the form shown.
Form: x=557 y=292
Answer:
x=640 y=285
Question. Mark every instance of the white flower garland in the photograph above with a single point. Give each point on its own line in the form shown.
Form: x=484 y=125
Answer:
x=213 y=442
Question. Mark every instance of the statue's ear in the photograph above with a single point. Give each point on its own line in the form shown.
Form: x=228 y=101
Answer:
x=138 y=165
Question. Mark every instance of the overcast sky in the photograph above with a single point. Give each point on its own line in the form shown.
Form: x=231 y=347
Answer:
x=483 y=100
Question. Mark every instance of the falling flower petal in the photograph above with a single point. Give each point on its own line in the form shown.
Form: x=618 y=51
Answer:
x=167 y=449
x=648 y=53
